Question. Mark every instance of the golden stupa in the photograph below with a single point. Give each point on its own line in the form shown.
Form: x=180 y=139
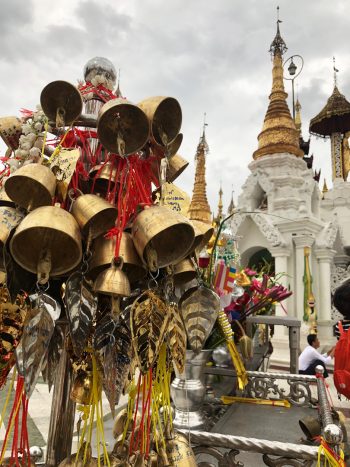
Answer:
x=279 y=134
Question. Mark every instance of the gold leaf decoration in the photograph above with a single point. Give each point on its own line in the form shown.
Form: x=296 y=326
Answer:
x=177 y=339
x=199 y=307
x=149 y=320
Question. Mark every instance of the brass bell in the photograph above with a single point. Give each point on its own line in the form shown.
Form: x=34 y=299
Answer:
x=47 y=234
x=103 y=250
x=311 y=427
x=5 y=200
x=122 y=127
x=81 y=391
x=113 y=281
x=171 y=151
x=61 y=102
x=165 y=116
x=161 y=236
x=10 y=131
x=95 y=215
x=177 y=165
x=179 y=452
x=184 y=272
x=9 y=219
x=31 y=186
x=103 y=177
x=174 y=146
x=204 y=232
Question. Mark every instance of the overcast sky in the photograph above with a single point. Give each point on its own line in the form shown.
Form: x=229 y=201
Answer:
x=210 y=55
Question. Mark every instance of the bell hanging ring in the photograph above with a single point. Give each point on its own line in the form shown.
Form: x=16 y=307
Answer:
x=31 y=186
x=61 y=102
x=103 y=250
x=161 y=236
x=47 y=237
x=113 y=281
x=122 y=127
x=81 y=391
x=95 y=215
x=165 y=116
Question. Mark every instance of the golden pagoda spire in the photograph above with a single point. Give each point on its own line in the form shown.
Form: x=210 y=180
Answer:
x=298 y=116
x=279 y=134
x=220 y=204
x=199 y=209
x=231 y=206
x=325 y=188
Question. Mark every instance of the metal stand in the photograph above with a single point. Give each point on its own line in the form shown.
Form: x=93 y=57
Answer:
x=60 y=436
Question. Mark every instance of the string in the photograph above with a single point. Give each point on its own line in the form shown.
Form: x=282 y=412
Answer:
x=9 y=391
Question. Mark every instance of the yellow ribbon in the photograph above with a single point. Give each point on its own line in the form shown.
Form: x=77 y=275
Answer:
x=329 y=458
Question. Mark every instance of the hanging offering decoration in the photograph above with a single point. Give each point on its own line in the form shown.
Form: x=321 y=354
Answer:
x=85 y=243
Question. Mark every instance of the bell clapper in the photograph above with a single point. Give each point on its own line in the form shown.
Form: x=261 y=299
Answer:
x=60 y=117
x=115 y=305
x=163 y=171
x=44 y=266
x=121 y=144
x=151 y=257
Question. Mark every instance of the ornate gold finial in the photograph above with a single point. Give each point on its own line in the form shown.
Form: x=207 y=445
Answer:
x=298 y=116
x=335 y=72
x=118 y=92
x=325 y=187
x=279 y=134
x=231 y=206
x=220 y=205
x=199 y=209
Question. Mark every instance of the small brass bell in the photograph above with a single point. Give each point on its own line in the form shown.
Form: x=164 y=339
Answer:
x=204 y=232
x=161 y=236
x=10 y=131
x=103 y=177
x=179 y=452
x=81 y=391
x=122 y=127
x=61 y=102
x=95 y=215
x=165 y=116
x=31 y=186
x=113 y=281
x=103 y=250
x=177 y=165
x=184 y=272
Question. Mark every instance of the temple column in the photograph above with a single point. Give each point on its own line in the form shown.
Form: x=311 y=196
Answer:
x=280 y=256
x=324 y=306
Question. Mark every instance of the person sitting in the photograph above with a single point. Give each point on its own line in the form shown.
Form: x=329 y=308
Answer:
x=341 y=301
x=310 y=358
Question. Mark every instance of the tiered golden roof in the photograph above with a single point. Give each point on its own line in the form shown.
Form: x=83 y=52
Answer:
x=279 y=134
x=199 y=209
x=334 y=117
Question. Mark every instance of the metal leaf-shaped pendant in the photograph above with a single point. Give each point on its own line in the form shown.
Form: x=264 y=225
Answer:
x=177 y=339
x=35 y=343
x=104 y=331
x=115 y=373
x=54 y=355
x=51 y=305
x=149 y=320
x=81 y=305
x=199 y=307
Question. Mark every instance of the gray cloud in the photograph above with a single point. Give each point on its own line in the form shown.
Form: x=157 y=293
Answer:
x=212 y=56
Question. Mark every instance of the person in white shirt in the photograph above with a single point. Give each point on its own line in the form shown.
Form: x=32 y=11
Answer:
x=310 y=358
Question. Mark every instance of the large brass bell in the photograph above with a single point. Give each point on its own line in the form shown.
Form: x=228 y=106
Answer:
x=81 y=391
x=94 y=215
x=122 y=127
x=61 y=102
x=31 y=186
x=177 y=165
x=103 y=178
x=171 y=151
x=10 y=131
x=48 y=237
x=9 y=219
x=165 y=116
x=103 y=250
x=184 y=272
x=311 y=427
x=113 y=281
x=80 y=460
x=161 y=236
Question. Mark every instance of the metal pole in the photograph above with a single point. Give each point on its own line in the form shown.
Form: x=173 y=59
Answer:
x=294 y=347
x=59 y=443
x=293 y=99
